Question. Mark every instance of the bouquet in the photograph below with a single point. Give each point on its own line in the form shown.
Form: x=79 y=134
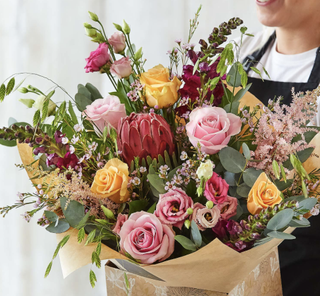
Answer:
x=173 y=162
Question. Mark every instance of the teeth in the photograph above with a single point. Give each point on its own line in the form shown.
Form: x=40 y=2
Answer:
x=263 y=1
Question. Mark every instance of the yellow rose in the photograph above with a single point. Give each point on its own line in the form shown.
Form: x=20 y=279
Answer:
x=159 y=89
x=263 y=194
x=112 y=180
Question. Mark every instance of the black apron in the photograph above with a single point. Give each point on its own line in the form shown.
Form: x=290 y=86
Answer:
x=299 y=258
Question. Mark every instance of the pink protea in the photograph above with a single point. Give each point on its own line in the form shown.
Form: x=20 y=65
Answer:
x=142 y=135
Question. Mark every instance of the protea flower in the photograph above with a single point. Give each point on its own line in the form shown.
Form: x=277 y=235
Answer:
x=142 y=135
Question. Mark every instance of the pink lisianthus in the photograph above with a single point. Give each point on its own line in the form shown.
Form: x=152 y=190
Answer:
x=120 y=221
x=228 y=208
x=216 y=189
x=121 y=68
x=212 y=127
x=204 y=217
x=118 y=41
x=146 y=239
x=103 y=112
x=172 y=207
x=97 y=58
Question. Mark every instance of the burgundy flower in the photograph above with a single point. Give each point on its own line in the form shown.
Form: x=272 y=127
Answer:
x=142 y=135
x=69 y=160
x=216 y=189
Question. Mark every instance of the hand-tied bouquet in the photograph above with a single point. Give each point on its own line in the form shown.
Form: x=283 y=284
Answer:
x=169 y=161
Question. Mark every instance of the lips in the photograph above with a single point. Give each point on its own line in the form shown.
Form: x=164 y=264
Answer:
x=264 y=2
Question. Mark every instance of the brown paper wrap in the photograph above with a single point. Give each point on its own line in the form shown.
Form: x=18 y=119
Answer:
x=215 y=267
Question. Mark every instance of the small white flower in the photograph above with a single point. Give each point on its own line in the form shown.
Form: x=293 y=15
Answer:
x=183 y=155
x=74 y=139
x=143 y=169
x=93 y=146
x=314 y=211
x=136 y=181
x=77 y=128
x=38 y=104
x=205 y=169
x=72 y=149
x=65 y=140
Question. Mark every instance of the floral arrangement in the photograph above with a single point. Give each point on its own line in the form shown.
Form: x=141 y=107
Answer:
x=172 y=158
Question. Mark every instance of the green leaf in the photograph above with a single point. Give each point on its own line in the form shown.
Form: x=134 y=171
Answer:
x=185 y=242
x=51 y=216
x=10 y=86
x=98 y=249
x=48 y=269
x=95 y=94
x=195 y=234
x=167 y=159
x=81 y=235
x=173 y=172
x=230 y=178
x=280 y=235
x=121 y=208
x=280 y=220
x=232 y=160
x=93 y=279
x=2 y=92
x=156 y=182
x=235 y=77
x=84 y=220
x=84 y=91
x=242 y=92
x=307 y=204
x=254 y=69
x=45 y=109
x=73 y=212
x=243 y=190
x=90 y=237
x=72 y=113
x=82 y=102
x=60 y=226
x=299 y=223
x=250 y=176
x=196 y=65
x=246 y=151
x=36 y=118
x=282 y=185
x=152 y=208
x=137 y=205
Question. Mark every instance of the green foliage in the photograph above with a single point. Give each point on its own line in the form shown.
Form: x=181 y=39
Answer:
x=93 y=278
x=152 y=208
x=232 y=160
x=95 y=259
x=48 y=269
x=280 y=220
x=60 y=226
x=156 y=182
x=72 y=210
x=185 y=242
x=246 y=151
x=81 y=235
x=196 y=235
x=280 y=235
x=10 y=86
x=2 y=92
x=36 y=118
x=307 y=204
x=91 y=237
x=243 y=190
x=72 y=113
x=137 y=205
x=250 y=176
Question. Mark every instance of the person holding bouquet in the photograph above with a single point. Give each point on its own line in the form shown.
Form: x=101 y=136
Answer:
x=289 y=50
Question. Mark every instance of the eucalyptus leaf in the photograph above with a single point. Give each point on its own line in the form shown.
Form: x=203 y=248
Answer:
x=282 y=185
x=156 y=182
x=234 y=76
x=72 y=210
x=246 y=151
x=230 y=178
x=95 y=94
x=84 y=91
x=250 y=176
x=243 y=190
x=51 y=216
x=280 y=220
x=280 y=235
x=262 y=241
x=82 y=102
x=61 y=227
x=195 y=234
x=137 y=205
x=232 y=160
x=307 y=204
x=185 y=242
x=299 y=223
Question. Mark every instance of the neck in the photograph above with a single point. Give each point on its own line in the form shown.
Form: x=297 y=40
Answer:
x=297 y=41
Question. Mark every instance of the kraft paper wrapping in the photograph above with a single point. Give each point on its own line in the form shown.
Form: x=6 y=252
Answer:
x=215 y=267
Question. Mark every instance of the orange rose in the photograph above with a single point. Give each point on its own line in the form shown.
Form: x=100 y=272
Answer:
x=263 y=194
x=112 y=180
x=159 y=89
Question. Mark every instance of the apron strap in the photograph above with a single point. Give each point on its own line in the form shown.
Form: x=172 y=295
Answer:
x=254 y=58
x=315 y=73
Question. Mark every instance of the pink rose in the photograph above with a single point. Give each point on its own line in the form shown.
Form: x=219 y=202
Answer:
x=216 y=189
x=97 y=58
x=204 y=217
x=118 y=42
x=145 y=238
x=172 y=207
x=120 y=220
x=228 y=208
x=212 y=127
x=105 y=111
x=121 y=68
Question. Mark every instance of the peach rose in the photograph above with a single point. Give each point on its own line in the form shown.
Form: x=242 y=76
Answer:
x=112 y=180
x=160 y=90
x=262 y=195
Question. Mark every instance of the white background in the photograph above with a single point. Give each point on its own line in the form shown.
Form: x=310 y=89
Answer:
x=47 y=37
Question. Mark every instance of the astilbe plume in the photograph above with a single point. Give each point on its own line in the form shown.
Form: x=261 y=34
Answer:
x=279 y=125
